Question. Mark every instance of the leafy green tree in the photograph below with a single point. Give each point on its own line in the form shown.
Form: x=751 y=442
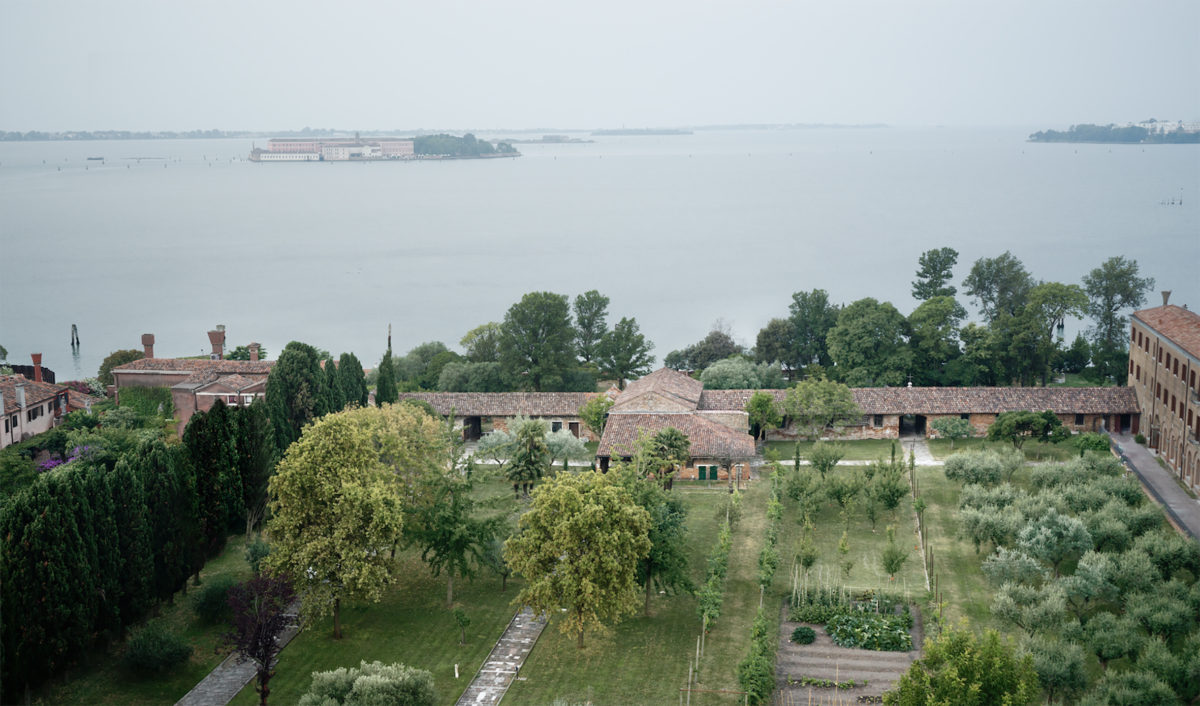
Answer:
x=763 y=414
x=952 y=428
x=1034 y=609
x=412 y=366
x=1112 y=288
x=717 y=345
x=984 y=467
x=116 y=359
x=1073 y=359
x=825 y=457
x=472 y=377
x=816 y=404
x=295 y=392
x=1130 y=688
x=868 y=344
x=933 y=338
x=529 y=456
x=843 y=487
x=352 y=380
x=623 y=353
x=373 y=683
x=893 y=557
x=535 y=341
x=243 y=353
x=578 y=548
x=1090 y=441
x=665 y=567
x=812 y=317
x=999 y=285
x=594 y=413
x=739 y=373
x=260 y=608
x=385 y=387
x=1109 y=637
x=496 y=445
x=1060 y=666
x=1033 y=343
x=482 y=343
x=672 y=450
x=776 y=343
x=448 y=526
x=564 y=445
x=1054 y=538
x=591 y=313
x=887 y=486
x=1013 y=566
x=336 y=502
x=936 y=270
x=1019 y=427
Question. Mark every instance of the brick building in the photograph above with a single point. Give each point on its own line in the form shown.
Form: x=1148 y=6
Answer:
x=197 y=383
x=1164 y=371
x=29 y=407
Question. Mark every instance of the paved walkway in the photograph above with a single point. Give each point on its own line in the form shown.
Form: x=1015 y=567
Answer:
x=1183 y=510
x=915 y=444
x=501 y=667
x=230 y=677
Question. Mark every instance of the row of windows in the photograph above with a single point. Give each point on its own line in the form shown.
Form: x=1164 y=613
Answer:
x=1168 y=361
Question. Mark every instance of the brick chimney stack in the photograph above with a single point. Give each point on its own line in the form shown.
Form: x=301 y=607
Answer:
x=37 y=367
x=217 y=339
x=254 y=352
x=1166 y=295
x=148 y=344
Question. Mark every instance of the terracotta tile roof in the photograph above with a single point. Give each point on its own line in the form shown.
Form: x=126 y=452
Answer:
x=960 y=400
x=194 y=365
x=35 y=392
x=504 y=404
x=1176 y=323
x=230 y=383
x=662 y=385
x=78 y=400
x=709 y=439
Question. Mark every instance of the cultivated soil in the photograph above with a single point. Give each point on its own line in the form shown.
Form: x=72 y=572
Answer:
x=825 y=660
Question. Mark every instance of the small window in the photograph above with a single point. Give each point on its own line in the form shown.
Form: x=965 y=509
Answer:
x=877 y=420
x=1078 y=420
x=1176 y=367
x=965 y=416
x=555 y=426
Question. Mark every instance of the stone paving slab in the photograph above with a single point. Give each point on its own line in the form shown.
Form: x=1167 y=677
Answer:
x=230 y=677
x=504 y=662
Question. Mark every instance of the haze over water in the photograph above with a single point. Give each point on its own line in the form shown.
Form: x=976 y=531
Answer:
x=678 y=230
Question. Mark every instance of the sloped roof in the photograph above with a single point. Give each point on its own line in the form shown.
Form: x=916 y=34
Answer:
x=663 y=384
x=1176 y=323
x=231 y=383
x=504 y=404
x=960 y=400
x=35 y=392
x=194 y=365
x=708 y=439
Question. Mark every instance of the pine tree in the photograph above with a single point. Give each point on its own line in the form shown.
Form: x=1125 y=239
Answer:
x=133 y=540
x=385 y=388
x=354 y=383
x=256 y=457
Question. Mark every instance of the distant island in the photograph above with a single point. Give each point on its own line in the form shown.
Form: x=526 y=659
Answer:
x=373 y=149
x=553 y=140
x=1148 y=132
x=640 y=131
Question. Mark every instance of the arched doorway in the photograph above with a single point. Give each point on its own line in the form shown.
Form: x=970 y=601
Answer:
x=912 y=425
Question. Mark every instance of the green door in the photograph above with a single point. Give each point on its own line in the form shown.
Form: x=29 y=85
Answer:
x=702 y=470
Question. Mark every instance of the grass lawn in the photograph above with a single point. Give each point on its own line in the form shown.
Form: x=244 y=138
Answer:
x=104 y=681
x=1034 y=451
x=856 y=450
x=645 y=660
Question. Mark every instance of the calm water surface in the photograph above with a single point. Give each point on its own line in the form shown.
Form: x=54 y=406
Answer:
x=678 y=230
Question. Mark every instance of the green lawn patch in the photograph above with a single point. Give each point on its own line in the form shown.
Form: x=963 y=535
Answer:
x=103 y=681
x=856 y=450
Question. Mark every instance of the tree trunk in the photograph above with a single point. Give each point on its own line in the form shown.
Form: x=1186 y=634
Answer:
x=649 y=584
x=264 y=677
x=337 y=618
x=449 y=589
x=503 y=582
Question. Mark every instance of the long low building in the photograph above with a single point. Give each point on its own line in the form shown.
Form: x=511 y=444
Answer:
x=717 y=425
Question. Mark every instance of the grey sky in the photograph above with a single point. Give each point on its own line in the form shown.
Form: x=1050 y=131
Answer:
x=277 y=64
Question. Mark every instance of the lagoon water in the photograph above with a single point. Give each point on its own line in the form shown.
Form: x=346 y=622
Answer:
x=679 y=231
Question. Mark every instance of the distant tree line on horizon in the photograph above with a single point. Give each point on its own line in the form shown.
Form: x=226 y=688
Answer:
x=1129 y=134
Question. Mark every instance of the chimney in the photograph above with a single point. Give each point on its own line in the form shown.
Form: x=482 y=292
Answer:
x=217 y=339
x=37 y=367
x=148 y=344
x=1 y=404
x=21 y=395
x=254 y=352
x=1166 y=295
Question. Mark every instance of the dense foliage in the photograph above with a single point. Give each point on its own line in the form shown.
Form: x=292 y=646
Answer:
x=373 y=683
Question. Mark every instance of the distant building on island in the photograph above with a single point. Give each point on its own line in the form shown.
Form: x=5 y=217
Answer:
x=334 y=149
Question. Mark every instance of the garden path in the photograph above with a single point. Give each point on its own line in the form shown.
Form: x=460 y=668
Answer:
x=502 y=665
x=231 y=676
x=1183 y=509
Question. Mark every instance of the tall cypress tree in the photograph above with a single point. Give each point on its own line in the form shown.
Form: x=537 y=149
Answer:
x=212 y=452
x=385 y=389
x=133 y=538
x=354 y=383
x=93 y=490
x=295 y=392
x=333 y=387
x=256 y=457
x=169 y=514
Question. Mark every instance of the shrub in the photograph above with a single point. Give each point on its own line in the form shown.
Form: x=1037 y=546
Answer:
x=870 y=631
x=154 y=649
x=256 y=551
x=804 y=635
x=211 y=602
x=982 y=467
x=373 y=683
x=1140 y=438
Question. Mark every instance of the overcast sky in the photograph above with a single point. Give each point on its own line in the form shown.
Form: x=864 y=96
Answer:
x=285 y=64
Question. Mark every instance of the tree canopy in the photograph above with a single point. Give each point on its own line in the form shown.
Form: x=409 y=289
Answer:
x=961 y=668
x=812 y=317
x=591 y=313
x=999 y=285
x=868 y=344
x=536 y=341
x=295 y=391
x=935 y=271
x=578 y=547
x=817 y=404
x=624 y=353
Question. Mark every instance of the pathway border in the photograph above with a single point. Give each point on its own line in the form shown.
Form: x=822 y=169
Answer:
x=231 y=676
x=503 y=663
x=1183 y=511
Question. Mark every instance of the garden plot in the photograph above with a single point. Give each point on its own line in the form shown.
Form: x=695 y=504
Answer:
x=824 y=660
